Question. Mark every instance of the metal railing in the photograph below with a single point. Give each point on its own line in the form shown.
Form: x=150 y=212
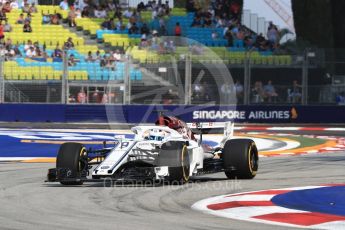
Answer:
x=191 y=79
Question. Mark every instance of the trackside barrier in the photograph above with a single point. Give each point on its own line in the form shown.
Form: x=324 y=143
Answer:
x=148 y=113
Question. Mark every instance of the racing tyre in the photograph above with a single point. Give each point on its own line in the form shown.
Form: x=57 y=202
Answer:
x=240 y=158
x=174 y=154
x=71 y=161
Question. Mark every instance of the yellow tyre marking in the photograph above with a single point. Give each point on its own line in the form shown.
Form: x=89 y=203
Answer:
x=184 y=151
x=249 y=159
x=82 y=153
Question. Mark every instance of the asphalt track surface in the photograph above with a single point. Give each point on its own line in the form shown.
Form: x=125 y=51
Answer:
x=28 y=203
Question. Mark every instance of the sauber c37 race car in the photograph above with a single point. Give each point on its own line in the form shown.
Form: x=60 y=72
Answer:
x=166 y=151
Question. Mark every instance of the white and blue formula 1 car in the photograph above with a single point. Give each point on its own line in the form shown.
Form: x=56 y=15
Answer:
x=166 y=151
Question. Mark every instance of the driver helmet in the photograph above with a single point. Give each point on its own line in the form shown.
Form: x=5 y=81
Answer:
x=156 y=135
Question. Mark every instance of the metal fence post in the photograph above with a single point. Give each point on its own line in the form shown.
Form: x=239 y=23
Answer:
x=246 y=83
x=2 y=81
x=305 y=72
x=127 y=82
x=188 y=80
x=64 y=80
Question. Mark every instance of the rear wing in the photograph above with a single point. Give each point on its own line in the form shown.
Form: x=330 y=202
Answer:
x=207 y=127
x=228 y=127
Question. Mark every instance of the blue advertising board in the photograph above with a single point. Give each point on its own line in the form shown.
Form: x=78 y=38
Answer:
x=148 y=113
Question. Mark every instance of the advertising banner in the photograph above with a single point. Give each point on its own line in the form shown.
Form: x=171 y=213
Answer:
x=149 y=113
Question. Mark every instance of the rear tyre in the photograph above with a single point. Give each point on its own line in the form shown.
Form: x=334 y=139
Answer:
x=240 y=158
x=174 y=154
x=70 y=162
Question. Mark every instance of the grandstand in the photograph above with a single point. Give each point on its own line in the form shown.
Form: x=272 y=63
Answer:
x=90 y=65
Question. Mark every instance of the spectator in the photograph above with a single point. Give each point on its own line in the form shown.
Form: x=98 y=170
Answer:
x=8 y=43
x=141 y=6
x=235 y=9
x=27 y=27
x=227 y=91
x=239 y=91
x=127 y=13
x=7 y=27
x=239 y=41
x=54 y=19
x=117 y=55
x=171 y=47
x=64 y=5
x=38 y=51
x=270 y=92
x=340 y=99
x=119 y=25
x=33 y=8
x=69 y=44
x=72 y=17
x=45 y=19
x=57 y=52
x=28 y=18
x=196 y=22
x=214 y=35
x=198 y=92
x=77 y=13
x=178 y=30
x=272 y=34
x=94 y=97
x=110 y=64
x=17 y=51
x=133 y=29
x=6 y=7
x=100 y=12
x=105 y=99
x=71 y=60
x=135 y=17
x=71 y=99
x=229 y=36
x=85 y=13
x=144 y=29
x=111 y=6
x=154 y=14
x=31 y=53
x=220 y=22
x=98 y=55
x=118 y=14
x=26 y=7
x=24 y=2
x=207 y=22
x=3 y=51
x=294 y=94
x=190 y=5
x=258 y=92
x=107 y=24
x=21 y=19
x=28 y=45
x=162 y=31
x=81 y=98
x=14 y=4
x=170 y=97
x=89 y=57
x=2 y=16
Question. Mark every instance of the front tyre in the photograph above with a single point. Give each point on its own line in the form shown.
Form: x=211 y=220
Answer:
x=240 y=158
x=71 y=161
